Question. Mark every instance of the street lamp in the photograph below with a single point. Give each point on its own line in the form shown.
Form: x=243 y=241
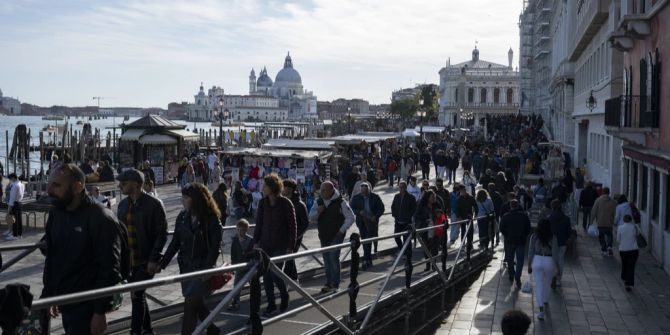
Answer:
x=591 y=102
x=221 y=122
x=421 y=113
x=349 y=114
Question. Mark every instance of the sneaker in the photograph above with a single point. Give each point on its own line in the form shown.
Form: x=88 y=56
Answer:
x=234 y=307
x=7 y=233
x=11 y=238
x=326 y=288
x=629 y=288
x=518 y=284
x=540 y=316
x=270 y=311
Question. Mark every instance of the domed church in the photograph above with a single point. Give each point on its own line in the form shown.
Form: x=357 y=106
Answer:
x=287 y=87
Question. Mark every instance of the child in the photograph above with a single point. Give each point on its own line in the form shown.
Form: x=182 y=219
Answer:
x=238 y=254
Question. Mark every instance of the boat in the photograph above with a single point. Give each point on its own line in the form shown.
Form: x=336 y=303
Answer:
x=80 y=122
x=52 y=128
x=53 y=118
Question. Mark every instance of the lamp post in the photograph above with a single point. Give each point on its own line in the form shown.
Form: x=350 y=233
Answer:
x=221 y=122
x=591 y=102
x=421 y=113
x=349 y=114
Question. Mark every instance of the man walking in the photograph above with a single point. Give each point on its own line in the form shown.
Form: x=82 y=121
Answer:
x=515 y=228
x=587 y=198
x=603 y=212
x=424 y=160
x=402 y=210
x=148 y=172
x=466 y=206
x=83 y=248
x=145 y=218
x=561 y=227
x=333 y=217
x=302 y=222
x=368 y=208
x=14 y=212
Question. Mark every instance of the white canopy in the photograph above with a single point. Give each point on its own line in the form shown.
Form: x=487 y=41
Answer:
x=410 y=133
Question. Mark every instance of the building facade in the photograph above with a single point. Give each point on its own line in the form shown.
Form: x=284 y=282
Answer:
x=288 y=89
x=9 y=105
x=329 y=110
x=205 y=104
x=472 y=89
x=640 y=116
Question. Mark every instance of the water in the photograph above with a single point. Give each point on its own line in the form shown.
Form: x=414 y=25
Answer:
x=35 y=124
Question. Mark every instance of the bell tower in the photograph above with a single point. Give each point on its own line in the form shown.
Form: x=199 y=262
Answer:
x=252 y=82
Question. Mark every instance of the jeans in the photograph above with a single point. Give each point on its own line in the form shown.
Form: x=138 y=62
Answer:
x=470 y=235
x=17 y=228
x=238 y=277
x=628 y=260
x=559 y=258
x=515 y=252
x=270 y=279
x=390 y=177
x=331 y=262
x=140 y=319
x=367 y=248
x=453 y=231
x=605 y=238
x=425 y=172
x=77 y=318
x=586 y=216
x=543 y=271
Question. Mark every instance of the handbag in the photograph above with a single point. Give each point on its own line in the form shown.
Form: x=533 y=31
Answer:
x=219 y=280
x=527 y=287
x=641 y=242
x=593 y=230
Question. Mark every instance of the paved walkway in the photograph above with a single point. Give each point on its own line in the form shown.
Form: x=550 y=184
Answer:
x=592 y=299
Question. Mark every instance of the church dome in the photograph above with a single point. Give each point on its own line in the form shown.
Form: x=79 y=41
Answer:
x=263 y=79
x=288 y=74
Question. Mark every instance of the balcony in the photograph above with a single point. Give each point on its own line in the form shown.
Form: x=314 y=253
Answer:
x=591 y=14
x=631 y=118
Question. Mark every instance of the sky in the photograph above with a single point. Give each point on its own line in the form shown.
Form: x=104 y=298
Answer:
x=146 y=53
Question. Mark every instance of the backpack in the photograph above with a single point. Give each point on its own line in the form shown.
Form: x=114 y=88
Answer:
x=635 y=213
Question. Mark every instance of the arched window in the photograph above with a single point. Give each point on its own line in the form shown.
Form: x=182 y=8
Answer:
x=496 y=95
x=471 y=95
x=510 y=95
x=456 y=96
x=482 y=97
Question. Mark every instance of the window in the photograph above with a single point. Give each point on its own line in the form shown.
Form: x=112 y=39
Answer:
x=635 y=185
x=656 y=195
x=456 y=96
x=645 y=183
x=471 y=95
x=510 y=95
x=482 y=98
x=496 y=95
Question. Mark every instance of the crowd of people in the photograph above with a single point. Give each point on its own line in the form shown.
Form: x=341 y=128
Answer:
x=88 y=246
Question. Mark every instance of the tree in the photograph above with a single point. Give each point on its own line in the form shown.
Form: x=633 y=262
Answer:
x=429 y=95
x=405 y=108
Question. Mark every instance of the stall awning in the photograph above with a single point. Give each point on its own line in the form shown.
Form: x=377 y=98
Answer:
x=158 y=139
x=281 y=143
x=185 y=134
x=131 y=135
x=256 y=152
x=410 y=133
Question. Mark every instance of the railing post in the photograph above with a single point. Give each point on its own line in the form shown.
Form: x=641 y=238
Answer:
x=431 y=258
x=409 y=267
x=255 y=293
x=458 y=254
x=355 y=240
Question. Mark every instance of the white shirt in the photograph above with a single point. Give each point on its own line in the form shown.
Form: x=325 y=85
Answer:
x=349 y=217
x=415 y=191
x=622 y=210
x=627 y=236
x=16 y=193
x=211 y=159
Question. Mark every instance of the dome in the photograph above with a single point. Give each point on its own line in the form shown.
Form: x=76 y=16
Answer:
x=288 y=74
x=263 y=79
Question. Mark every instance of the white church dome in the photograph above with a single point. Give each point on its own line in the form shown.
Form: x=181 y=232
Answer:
x=288 y=74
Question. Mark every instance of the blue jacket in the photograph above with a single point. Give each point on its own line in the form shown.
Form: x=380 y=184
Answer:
x=358 y=204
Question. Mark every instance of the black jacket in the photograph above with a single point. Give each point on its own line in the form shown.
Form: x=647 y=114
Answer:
x=560 y=226
x=515 y=226
x=358 y=204
x=587 y=197
x=151 y=224
x=198 y=247
x=301 y=218
x=83 y=251
x=402 y=209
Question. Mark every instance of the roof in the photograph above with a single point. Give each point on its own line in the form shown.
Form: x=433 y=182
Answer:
x=430 y=129
x=479 y=64
x=256 y=152
x=158 y=139
x=280 y=143
x=358 y=138
x=154 y=121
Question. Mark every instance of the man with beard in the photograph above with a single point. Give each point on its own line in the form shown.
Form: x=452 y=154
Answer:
x=146 y=222
x=83 y=251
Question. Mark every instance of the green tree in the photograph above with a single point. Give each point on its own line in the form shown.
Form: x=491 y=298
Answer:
x=429 y=95
x=405 y=109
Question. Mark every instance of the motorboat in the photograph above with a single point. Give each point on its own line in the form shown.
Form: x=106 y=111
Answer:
x=53 y=118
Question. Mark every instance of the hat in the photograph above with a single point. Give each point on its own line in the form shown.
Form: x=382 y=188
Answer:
x=131 y=175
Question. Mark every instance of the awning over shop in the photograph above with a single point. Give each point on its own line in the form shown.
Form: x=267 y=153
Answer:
x=410 y=133
x=132 y=135
x=256 y=152
x=430 y=129
x=280 y=143
x=157 y=139
x=185 y=134
x=358 y=138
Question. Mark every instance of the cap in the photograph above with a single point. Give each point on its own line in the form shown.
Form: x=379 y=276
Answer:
x=131 y=175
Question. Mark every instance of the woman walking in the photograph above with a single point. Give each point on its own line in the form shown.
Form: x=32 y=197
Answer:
x=197 y=238
x=485 y=219
x=425 y=216
x=628 y=250
x=469 y=182
x=541 y=264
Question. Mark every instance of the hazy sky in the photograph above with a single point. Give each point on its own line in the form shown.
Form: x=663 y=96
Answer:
x=149 y=53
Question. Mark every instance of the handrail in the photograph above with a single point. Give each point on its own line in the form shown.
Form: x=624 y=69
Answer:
x=142 y=285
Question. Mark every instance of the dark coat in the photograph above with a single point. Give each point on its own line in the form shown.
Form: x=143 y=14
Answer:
x=358 y=204
x=276 y=226
x=402 y=209
x=150 y=223
x=515 y=226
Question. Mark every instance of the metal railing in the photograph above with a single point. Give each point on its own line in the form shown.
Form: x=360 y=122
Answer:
x=263 y=263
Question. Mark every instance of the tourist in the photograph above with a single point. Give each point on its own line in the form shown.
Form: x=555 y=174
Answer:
x=82 y=244
x=515 y=227
x=424 y=161
x=148 y=171
x=197 y=238
x=188 y=176
x=146 y=222
x=453 y=201
x=86 y=167
x=515 y=322
x=215 y=175
x=402 y=210
x=357 y=186
x=498 y=201
x=628 y=250
x=351 y=181
x=241 y=201
x=562 y=229
x=333 y=217
x=452 y=166
x=14 y=209
x=485 y=219
x=541 y=264
x=220 y=195
x=391 y=169
x=426 y=215
x=603 y=212
x=240 y=248
x=440 y=161
x=466 y=207
x=443 y=196
x=275 y=233
x=469 y=182
x=587 y=198
x=413 y=188
x=623 y=208
x=106 y=172
x=406 y=168
x=150 y=188
x=368 y=207
x=100 y=198
x=302 y=222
